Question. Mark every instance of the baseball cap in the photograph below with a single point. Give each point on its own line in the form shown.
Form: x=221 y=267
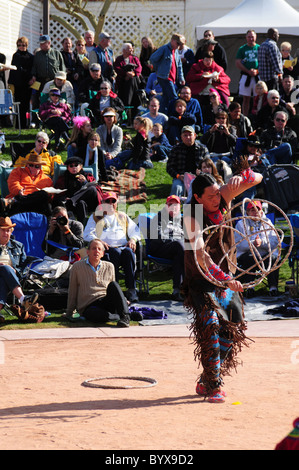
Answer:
x=44 y=38
x=54 y=91
x=173 y=198
x=61 y=75
x=254 y=203
x=104 y=35
x=94 y=67
x=109 y=195
x=187 y=129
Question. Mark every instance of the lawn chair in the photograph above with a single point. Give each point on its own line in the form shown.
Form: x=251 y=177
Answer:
x=153 y=263
x=9 y=108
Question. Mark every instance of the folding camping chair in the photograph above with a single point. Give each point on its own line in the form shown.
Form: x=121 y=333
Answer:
x=9 y=108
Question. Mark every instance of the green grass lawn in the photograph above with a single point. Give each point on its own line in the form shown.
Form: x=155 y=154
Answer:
x=158 y=184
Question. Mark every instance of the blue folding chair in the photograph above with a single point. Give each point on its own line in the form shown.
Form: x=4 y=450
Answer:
x=153 y=262
x=294 y=257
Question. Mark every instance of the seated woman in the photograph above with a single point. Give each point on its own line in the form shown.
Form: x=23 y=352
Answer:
x=240 y=122
x=259 y=100
x=105 y=98
x=57 y=115
x=94 y=154
x=48 y=156
x=259 y=239
x=78 y=141
x=139 y=155
x=215 y=105
x=176 y=122
x=111 y=135
x=81 y=198
x=220 y=139
x=26 y=189
x=206 y=74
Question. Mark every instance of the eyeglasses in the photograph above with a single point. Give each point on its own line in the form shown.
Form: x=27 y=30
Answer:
x=280 y=120
x=42 y=142
x=34 y=166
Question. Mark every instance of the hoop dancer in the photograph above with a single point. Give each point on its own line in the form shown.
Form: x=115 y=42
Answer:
x=218 y=323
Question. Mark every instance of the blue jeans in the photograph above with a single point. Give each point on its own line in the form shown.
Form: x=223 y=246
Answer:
x=120 y=162
x=281 y=154
x=169 y=93
x=177 y=188
x=8 y=282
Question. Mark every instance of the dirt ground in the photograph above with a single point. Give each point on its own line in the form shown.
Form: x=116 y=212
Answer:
x=44 y=405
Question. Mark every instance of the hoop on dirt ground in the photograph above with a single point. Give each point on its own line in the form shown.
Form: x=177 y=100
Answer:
x=90 y=382
x=258 y=268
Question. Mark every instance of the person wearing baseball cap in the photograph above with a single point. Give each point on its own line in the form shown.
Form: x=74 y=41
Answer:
x=65 y=86
x=255 y=226
x=119 y=235
x=166 y=240
x=103 y=55
x=12 y=257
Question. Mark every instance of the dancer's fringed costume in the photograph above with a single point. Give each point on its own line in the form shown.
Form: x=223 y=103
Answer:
x=218 y=326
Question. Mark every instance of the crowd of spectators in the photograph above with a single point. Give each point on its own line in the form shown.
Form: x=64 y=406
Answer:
x=182 y=110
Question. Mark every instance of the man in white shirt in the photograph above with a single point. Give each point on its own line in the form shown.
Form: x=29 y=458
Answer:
x=119 y=235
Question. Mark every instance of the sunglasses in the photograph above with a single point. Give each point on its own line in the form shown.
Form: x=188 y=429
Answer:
x=42 y=142
x=110 y=201
x=34 y=166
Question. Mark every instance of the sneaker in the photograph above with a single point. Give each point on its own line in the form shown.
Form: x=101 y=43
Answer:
x=29 y=300
x=124 y=322
x=202 y=391
x=216 y=397
x=132 y=295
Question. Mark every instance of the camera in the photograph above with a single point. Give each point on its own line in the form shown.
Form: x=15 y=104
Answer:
x=61 y=220
x=220 y=128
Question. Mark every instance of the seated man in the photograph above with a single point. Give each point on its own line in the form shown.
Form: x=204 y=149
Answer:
x=279 y=142
x=88 y=85
x=259 y=241
x=49 y=157
x=167 y=240
x=184 y=157
x=119 y=235
x=64 y=231
x=25 y=187
x=193 y=106
x=12 y=257
x=154 y=115
x=93 y=291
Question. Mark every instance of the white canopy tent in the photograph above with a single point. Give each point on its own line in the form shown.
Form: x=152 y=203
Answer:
x=260 y=15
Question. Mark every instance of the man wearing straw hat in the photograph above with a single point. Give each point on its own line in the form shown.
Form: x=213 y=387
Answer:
x=12 y=255
x=26 y=189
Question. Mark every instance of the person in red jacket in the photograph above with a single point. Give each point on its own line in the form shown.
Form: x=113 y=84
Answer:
x=56 y=114
x=206 y=74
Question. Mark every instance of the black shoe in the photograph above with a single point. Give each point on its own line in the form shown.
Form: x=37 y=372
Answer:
x=273 y=292
x=177 y=297
x=124 y=322
x=132 y=295
x=29 y=300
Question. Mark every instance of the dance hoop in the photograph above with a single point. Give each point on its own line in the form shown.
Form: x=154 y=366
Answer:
x=258 y=268
x=90 y=382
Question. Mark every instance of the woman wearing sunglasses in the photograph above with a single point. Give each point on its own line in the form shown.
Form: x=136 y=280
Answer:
x=83 y=195
x=49 y=157
x=26 y=189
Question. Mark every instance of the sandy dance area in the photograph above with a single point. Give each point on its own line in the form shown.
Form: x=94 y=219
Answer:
x=45 y=406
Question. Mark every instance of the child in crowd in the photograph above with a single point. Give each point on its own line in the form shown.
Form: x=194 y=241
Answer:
x=177 y=121
x=94 y=154
x=159 y=145
x=139 y=155
x=78 y=140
